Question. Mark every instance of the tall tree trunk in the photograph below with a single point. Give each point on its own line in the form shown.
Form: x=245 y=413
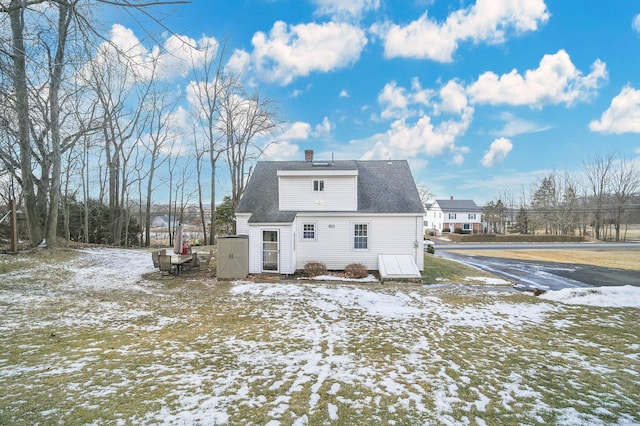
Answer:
x=212 y=235
x=147 y=209
x=30 y=207
x=56 y=154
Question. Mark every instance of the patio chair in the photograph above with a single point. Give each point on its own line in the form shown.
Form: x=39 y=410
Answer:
x=195 y=260
x=165 y=264
x=204 y=260
x=155 y=257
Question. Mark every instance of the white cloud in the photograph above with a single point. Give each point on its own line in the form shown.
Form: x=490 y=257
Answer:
x=297 y=131
x=177 y=56
x=344 y=93
x=406 y=140
x=181 y=53
x=420 y=95
x=323 y=129
x=622 y=116
x=239 y=62
x=341 y=9
x=288 y=52
x=555 y=81
x=517 y=126
x=454 y=99
x=497 y=152
x=635 y=24
x=398 y=102
x=282 y=150
x=487 y=21
x=394 y=101
x=300 y=130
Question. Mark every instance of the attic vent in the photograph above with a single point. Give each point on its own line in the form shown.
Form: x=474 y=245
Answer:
x=319 y=164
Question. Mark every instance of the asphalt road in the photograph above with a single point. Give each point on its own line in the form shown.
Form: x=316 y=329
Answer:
x=545 y=275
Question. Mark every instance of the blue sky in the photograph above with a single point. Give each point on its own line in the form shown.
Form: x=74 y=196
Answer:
x=481 y=97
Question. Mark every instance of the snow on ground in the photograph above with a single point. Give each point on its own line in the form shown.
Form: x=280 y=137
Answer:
x=488 y=280
x=317 y=351
x=624 y=296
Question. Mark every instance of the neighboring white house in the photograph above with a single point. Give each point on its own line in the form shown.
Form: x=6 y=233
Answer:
x=453 y=216
x=337 y=213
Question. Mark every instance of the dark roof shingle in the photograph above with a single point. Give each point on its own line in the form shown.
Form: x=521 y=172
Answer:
x=458 y=205
x=383 y=187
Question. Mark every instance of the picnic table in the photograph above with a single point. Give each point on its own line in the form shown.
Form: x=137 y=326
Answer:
x=179 y=261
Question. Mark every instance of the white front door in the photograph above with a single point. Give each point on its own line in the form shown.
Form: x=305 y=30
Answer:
x=270 y=251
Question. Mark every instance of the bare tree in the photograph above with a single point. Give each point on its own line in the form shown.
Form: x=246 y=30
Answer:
x=243 y=120
x=425 y=193
x=206 y=90
x=554 y=204
x=161 y=135
x=625 y=183
x=38 y=50
x=41 y=208
x=199 y=155
x=122 y=95
x=598 y=172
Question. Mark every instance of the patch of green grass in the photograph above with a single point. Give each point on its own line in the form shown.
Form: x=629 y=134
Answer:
x=438 y=270
x=35 y=257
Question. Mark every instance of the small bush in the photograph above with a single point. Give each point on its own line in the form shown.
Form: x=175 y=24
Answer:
x=431 y=249
x=313 y=269
x=356 y=270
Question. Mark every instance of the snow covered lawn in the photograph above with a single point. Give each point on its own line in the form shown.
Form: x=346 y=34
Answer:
x=93 y=342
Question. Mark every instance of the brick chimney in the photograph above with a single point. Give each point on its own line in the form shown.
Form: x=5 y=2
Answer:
x=308 y=155
x=451 y=197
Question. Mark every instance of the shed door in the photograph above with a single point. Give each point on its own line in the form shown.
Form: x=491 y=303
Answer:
x=270 y=251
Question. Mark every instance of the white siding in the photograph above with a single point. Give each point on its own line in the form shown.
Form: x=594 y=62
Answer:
x=334 y=240
x=255 y=250
x=286 y=241
x=297 y=194
x=287 y=254
x=242 y=223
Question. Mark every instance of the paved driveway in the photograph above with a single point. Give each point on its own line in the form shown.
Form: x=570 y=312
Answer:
x=548 y=275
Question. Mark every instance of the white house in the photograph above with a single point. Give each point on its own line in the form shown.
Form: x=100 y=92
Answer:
x=337 y=213
x=453 y=215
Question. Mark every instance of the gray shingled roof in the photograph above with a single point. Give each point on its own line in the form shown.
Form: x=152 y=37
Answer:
x=383 y=187
x=458 y=206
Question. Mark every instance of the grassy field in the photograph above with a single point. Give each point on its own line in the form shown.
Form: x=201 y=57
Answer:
x=85 y=339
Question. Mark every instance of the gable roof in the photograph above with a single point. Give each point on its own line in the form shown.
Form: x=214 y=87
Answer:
x=458 y=205
x=383 y=187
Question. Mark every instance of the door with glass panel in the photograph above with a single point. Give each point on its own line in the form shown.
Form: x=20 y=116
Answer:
x=270 y=251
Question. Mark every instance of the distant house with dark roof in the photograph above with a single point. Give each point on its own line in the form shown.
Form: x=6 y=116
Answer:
x=453 y=216
x=337 y=213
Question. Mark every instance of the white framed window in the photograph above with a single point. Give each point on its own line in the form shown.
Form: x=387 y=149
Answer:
x=472 y=216
x=452 y=215
x=360 y=236
x=466 y=226
x=318 y=185
x=309 y=231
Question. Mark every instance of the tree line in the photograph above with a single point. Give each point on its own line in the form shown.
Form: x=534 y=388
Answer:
x=601 y=202
x=85 y=121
